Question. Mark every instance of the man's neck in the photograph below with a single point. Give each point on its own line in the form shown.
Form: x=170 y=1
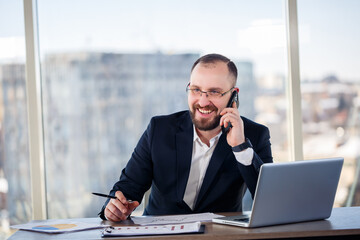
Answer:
x=206 y=136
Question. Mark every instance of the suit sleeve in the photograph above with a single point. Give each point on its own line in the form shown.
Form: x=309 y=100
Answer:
x=137 y=176
x=262 y=154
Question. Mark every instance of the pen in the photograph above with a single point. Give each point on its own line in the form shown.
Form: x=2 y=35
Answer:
x=108 y=196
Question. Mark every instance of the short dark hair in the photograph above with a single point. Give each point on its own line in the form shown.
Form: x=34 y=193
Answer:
x=213 y=58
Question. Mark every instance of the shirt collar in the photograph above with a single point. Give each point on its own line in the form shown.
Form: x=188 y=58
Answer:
x=212 y=141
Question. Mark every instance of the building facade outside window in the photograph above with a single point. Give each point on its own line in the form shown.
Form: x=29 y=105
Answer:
x=330 y=88
x=15 y=189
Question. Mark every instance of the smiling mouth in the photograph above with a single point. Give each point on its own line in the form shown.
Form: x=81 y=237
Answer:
x=203 y=111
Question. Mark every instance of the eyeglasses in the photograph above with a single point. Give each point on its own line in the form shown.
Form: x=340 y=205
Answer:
x=196 y=92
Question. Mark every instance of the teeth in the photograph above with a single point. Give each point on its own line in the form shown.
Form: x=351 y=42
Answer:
x=205 y=111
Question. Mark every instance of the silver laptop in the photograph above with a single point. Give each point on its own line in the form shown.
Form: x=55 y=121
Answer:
x=291 y=192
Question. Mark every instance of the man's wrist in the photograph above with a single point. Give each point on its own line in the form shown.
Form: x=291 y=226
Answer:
x=241 y=147
x=245 y=157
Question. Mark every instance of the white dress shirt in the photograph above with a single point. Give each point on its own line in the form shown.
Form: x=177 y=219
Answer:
x=201 y=156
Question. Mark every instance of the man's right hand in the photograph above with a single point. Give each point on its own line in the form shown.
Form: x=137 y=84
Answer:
x=119 y=209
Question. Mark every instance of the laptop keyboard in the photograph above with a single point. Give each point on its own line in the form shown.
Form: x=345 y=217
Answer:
x=246 y=220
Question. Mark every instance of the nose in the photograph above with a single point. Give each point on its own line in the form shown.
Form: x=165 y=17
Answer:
x=203 y=100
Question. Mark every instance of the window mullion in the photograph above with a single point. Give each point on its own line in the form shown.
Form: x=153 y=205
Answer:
x=33 y=88
x=293 y=87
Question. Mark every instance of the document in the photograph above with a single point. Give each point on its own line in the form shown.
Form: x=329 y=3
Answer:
x=153 y=230
x=174 y=219
x=57 y=226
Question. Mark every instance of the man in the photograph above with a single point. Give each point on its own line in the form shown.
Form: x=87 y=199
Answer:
x=187 y=160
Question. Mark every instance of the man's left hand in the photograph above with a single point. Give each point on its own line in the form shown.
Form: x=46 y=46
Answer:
x=235 y=135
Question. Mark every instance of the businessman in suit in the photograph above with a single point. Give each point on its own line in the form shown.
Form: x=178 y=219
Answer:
x=191 y=165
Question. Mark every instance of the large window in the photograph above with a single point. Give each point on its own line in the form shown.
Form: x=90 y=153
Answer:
x=15 y=191
x=109 y=66
x=330 y=86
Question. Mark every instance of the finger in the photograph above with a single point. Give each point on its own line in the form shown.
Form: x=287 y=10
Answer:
x=229 y=110
x=114 y=208
x=120 y=196
x=221 y=121
x=225 y=121
x=133 y=205
x=119 y=205
x=118 y=214
x=112 y=213
x=111 y=216
x=234 y=105
x=229 y=117
x=227 y=124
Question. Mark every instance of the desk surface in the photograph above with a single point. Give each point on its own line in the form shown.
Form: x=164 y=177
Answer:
x=343 y=222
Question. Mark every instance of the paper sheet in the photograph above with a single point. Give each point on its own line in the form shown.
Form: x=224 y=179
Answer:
x=174 y=219
x=152 y=230
x=57 y=226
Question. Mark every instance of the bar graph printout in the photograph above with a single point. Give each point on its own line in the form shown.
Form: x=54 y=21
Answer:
x=153 y=230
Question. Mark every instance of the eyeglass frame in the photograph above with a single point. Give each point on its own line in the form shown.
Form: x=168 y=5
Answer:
x=206 y=92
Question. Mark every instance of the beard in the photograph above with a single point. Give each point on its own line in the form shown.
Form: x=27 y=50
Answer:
x=205 y=124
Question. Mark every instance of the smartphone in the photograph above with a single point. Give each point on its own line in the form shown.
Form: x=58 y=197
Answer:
x=234 y=98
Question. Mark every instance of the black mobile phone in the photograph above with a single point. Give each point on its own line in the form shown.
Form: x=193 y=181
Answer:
x=234 y=98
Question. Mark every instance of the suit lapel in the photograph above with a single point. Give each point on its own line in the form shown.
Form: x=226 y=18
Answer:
x=221 y=152
x=184 y=145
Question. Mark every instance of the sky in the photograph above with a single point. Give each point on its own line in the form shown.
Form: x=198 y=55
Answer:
x=240 y=29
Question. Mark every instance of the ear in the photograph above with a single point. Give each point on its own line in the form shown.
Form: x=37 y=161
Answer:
x=237 y=97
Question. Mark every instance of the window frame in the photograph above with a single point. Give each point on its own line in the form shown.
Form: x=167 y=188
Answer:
x=35 y=120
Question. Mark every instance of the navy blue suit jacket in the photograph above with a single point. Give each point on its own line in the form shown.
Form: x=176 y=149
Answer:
x=162 y=159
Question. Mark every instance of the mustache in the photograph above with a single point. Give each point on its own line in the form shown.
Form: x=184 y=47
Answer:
x=206 y=108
